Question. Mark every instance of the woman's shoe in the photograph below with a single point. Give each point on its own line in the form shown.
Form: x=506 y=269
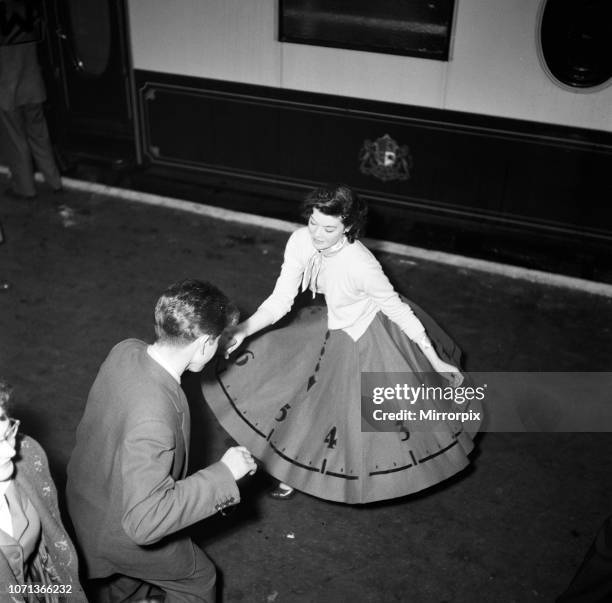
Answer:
x=282 y=492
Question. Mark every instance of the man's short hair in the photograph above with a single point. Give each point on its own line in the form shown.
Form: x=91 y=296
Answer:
x=189 y=309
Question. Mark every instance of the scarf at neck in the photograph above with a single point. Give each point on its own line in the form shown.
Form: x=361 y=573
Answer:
x=313 y=267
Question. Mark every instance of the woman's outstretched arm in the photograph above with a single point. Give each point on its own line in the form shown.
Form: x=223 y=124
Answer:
x=370 y=278
x=281 y=299
x=261 y=319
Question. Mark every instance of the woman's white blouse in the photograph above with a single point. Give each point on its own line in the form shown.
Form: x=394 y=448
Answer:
x=6 y=521
x=354 y=285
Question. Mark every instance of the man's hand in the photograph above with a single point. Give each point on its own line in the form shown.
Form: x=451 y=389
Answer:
x=239 y=461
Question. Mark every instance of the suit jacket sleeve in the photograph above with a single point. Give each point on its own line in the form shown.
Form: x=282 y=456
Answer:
x=154 y=503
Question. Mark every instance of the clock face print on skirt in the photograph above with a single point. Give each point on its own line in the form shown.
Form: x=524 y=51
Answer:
x=292 y=396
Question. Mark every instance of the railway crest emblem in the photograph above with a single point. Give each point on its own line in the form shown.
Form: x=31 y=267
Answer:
x=385 y=159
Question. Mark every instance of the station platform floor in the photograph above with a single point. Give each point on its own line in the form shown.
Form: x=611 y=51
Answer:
x=86 y=269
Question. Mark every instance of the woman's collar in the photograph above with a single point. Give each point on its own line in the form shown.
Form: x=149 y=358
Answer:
x=335 y=248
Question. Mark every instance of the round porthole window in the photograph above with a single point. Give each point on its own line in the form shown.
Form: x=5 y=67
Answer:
x=576 y=41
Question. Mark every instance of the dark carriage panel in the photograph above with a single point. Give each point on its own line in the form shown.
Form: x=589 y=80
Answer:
x=209 y=129
x=466 y=170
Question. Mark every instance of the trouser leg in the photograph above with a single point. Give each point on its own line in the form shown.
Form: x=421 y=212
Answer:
x=119 y=589
x=15 y=148
x=199 y=587
x=40 y=144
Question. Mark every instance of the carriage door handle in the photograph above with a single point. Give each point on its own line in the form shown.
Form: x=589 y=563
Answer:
x=76 y=63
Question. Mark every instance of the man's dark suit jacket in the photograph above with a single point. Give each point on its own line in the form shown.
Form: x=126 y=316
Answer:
x=128 y=494
x=21 y=81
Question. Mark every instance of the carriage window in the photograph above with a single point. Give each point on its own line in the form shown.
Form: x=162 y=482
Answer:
x=576 y=41
x=418 y=28
x=91 y=30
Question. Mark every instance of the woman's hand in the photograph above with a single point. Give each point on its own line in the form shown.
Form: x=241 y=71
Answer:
x=449 y=372
x=232 y=340
x=234 y=336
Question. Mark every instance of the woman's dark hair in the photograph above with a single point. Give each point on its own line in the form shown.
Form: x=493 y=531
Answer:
x=340 y=201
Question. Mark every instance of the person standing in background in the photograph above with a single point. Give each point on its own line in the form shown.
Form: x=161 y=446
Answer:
x=23 y=129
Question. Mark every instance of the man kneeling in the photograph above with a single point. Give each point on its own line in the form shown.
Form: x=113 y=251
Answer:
x=128 y=491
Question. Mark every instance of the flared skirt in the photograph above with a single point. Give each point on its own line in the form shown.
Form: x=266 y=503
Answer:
x=292 y=395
